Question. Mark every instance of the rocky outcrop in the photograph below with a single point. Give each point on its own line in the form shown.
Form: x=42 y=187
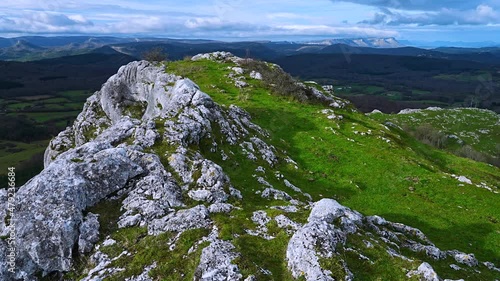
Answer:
x=180 y=221
x=330 y=224
x=50 y=207
x=316 y=239
x=425 y=272
x=102 y=155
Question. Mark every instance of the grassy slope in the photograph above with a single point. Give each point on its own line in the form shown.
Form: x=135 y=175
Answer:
x=368 y=173
x=476 y=127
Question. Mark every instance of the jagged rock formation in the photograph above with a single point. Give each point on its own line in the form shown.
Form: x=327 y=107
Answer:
x=138 y=140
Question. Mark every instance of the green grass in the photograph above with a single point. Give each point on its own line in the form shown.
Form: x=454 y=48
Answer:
x=10 y=159
x=420 y=92
x=393 y=95
x=70 y=100
x=429 y=103
x=26 y=159
x=464 y=77
x=476 y=127
x=55 y=100
x=44 y=111
x=19 y=106
x=75 y=96
x=43 y=117
x=359 y=89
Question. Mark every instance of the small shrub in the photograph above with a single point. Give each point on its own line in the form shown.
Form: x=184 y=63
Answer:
x=468 y=152
x=243 y=95
x=155 y=55
x=280 y=82
x=429 y=135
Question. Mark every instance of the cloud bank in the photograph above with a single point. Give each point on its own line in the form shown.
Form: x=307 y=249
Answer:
x=238 y=19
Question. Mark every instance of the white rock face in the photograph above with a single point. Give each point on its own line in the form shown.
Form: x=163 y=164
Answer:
x=426 y=273
x=330 y=223
x=255 y=75
x=220 y=208
x=217 y=56
x=271 y=193
x=196 y=217
x=284 y=222
x=89 y=233
x=316 y=239
x=49 y=211
x=137 y=90
x=467 y=259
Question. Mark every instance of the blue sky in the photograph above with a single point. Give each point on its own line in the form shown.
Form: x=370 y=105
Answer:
x=422 y=20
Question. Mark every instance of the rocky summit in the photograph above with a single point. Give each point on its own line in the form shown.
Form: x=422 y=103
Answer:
x=157 y=181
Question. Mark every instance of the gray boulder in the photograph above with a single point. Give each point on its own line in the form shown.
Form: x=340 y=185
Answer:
x=89 y=233
x=216 y=263
x=180 y=221
x=426 y=273
x=49 y=207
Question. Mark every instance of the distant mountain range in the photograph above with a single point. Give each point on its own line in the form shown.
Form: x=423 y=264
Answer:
x=31 y=48
x=361 y=42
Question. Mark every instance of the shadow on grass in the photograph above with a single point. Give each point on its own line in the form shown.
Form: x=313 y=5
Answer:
x=468 y=238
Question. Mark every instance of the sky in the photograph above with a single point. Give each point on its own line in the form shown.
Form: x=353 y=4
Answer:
x=276 y=20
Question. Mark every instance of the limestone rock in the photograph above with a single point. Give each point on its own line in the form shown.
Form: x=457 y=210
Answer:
x=50 y=206
x=467 y=259
x=271 y=193
x=220 y=208
x=426 y=273
x=255 y=75
x=196 y=217
x=216 y=263
x=316 y=239
x=89 y=233
x=284 y=222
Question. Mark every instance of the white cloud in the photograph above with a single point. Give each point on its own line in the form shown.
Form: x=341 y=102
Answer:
x=481 y=15
x=274 y=16
x=203 y=23
x=268 y=19
x=423 y=5
x=317 y=30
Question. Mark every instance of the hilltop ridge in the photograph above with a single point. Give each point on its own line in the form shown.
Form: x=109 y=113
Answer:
x=223 y=168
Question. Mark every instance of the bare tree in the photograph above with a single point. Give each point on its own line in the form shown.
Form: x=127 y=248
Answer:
x=155 y=55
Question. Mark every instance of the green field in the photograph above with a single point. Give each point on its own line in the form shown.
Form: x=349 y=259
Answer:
x=359 y=89
x=43 y=117
x=53 y=112
x=464 y=77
